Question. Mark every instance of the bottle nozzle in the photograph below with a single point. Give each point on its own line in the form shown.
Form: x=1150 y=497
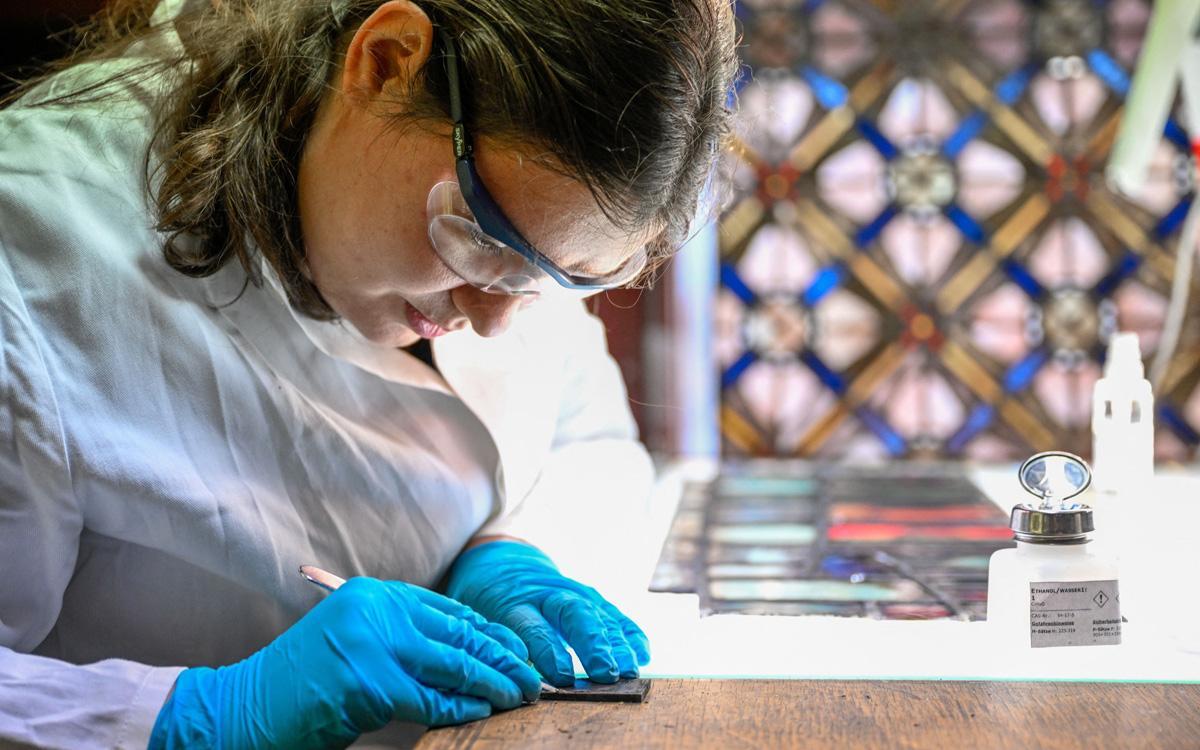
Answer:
x=1124 y=360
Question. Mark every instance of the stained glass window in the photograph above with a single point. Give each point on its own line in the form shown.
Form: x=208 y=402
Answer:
x=920 y=256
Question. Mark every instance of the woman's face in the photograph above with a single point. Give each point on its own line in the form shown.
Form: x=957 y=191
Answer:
x=363 y=190
x=364 y=184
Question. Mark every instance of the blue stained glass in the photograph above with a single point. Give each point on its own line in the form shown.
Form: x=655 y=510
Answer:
x=1124 y=268
x=731 y=375
x=895 y=444
x=977 y=421
x=1022 y=278
x=867 y=234
x=1172 y=220
x=1021 y=374
x=1109 y=71
x=734 y=283
x=1176 y=134
x=831 y=379
x=826 y=280
x=844 y=567
x=877 y=139
x=970 y=127
x=968 y=226
x=829 y=93
x=1178 y=424
x=1009 y=90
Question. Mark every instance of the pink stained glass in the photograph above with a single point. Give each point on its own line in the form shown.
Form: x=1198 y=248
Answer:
x=728 y=314
x=1168 y=448
x=921 y=250
x=777 y=260
x=1141 y=310
x=1127 y=25
x=998 y=324
x=1065 y=392
x=999 y=30
x=846 y=329
x=1067 y=103
x=784 y=398
x=917 y=110
x=852 y=182
x=1161 y=190
x=920 y=403
x=991 y=449
x=1068 y=255
x=842 y=42
x=773 y=110
x=989 y=179
x=850 y=443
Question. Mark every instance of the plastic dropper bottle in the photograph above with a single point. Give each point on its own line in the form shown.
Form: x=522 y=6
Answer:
x=1053 y=589
x=1123 y=421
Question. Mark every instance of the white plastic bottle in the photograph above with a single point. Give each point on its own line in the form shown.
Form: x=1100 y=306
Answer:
x=1053 y=590
x=1123 y=422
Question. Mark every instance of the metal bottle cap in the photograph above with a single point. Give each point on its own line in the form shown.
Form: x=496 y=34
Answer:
x=1055 y=477
x=1070 y=526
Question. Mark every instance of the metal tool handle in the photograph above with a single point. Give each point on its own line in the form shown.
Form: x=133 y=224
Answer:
x=322 y=578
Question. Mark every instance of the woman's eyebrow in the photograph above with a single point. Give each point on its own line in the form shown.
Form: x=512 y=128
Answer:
x=587 y=268
x=584 y=266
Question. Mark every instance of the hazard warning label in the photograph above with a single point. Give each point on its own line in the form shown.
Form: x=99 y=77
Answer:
x=1074 y=613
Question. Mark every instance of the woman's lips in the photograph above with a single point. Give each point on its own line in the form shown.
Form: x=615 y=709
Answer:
x=421 y=325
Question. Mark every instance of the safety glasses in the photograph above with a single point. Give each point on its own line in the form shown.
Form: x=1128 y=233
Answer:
x=476 y=240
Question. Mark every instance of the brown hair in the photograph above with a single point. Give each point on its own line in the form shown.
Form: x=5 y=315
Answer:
x=628 y=96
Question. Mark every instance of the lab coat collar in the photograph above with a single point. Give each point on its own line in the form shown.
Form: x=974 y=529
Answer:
x=340 y=340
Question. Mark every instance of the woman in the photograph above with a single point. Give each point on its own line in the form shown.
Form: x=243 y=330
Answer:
x=290 y=282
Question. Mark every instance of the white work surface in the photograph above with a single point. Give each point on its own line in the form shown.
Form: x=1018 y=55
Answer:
x=1160 y=597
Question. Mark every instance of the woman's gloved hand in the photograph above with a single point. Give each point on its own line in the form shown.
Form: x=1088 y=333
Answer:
x=517 y=585
x=372 y=651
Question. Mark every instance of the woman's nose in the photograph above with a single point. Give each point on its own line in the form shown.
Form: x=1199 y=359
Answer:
x=489 y=314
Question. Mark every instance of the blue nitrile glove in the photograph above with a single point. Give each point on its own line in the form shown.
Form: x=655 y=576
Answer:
x=372 y=651
x=517 y=585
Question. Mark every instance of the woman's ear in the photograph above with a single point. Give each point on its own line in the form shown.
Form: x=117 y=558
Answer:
x=387 y=53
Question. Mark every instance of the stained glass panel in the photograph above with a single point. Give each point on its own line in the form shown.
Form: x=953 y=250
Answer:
x=921 y=257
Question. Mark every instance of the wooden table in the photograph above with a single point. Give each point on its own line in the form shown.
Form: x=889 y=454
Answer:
x=852 y=714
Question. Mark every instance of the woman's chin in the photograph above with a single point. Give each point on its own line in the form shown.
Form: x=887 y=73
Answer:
x=407 y=338
x=387 y=335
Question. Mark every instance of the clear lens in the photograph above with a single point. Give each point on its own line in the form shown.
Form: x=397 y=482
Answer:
x=480 y=260
x=471 y=254
x=489 y=264
x=446 y=198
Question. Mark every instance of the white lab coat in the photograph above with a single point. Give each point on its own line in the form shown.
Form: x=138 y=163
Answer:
x=171 y=451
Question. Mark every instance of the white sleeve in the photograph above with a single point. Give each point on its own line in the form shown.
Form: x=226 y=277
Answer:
x=46 y=702
x=592 y=491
